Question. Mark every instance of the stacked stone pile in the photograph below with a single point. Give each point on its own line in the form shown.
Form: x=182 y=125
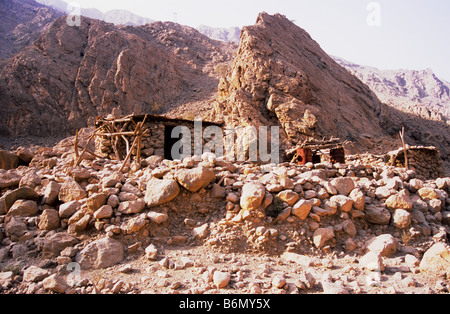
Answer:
x=97 y=217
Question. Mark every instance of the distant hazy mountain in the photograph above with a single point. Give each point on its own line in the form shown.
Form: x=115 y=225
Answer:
x=117 y=17
x=232 y=34
x=417 y=92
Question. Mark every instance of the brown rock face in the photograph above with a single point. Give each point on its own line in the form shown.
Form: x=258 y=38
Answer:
x=22 y=23
x=72 y=74
x=281 y=76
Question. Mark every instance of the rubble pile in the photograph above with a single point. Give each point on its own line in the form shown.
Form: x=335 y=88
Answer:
x=55 y=215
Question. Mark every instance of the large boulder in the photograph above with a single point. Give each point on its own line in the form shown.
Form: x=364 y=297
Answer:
x=322 y=235
x=436 y=260
x=196 y=178
x=15 y=229
x=54 y=244
x=252 y=196
x=302 y=209
x=377 y=215
x=8 y=160
x=343 y=185
x=23 y=208
x=385 y=245
x=161 y=191
x=401 y=200
x=71 y=191
x=102 y=253
x=23 y=193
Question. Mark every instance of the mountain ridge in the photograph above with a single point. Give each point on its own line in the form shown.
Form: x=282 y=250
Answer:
x=418 y=91
x=117 y=17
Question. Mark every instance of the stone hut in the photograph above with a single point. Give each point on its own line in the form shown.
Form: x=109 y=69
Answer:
x=426 y=161
x=144 y=136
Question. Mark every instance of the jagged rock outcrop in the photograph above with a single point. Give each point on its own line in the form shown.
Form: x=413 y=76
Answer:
x=281 y=76
x=72 y=74
x=21 y=23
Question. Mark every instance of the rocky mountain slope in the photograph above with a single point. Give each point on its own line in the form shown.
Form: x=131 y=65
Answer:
x=417 y=92
x=231 y=34
x=281 y=76
x=72 y=74
x=21 y=23
x=417 y=100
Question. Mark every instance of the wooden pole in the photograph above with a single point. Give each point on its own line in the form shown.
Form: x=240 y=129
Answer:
x=402 y=136
x=84 y=151
x=76 y=145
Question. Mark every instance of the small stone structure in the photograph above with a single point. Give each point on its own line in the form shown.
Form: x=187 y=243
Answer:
x=317 y=151
x=115 y=137
x=426 y=161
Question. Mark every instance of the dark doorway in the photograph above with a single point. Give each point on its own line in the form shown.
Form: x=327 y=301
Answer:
x=169 y=142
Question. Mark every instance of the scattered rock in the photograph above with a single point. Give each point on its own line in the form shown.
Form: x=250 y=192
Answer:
x=427 y=193
x=71 y=191
x=385 y=245
x=66 y=210
x=55 y=283
x=278 y=281
x=400 y=201
x=377 y=215
x=6 y=278
x=288 y=196
x=200 y=232
x=344 y=203
x=436 y=260
x=15 y=229
x=161 y=191
x=401 y=219
x=49 y=220
x=151 y=252
x=221 y=279
x=51 y=193
x=343 y=185
x=8 y=160
x=302 y=209
x=23 y=193
x=102 y=253
x=158 y=218
x=372 y=261
x=95 y=201
x=23 y=208
x=196 y=178
x=35 y=274
x=322 y=235
x=330 y=287
x=252 y=196
x=132 y=207
x=105 y=211
x=56 y=243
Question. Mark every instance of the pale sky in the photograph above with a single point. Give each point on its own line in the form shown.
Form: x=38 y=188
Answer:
x=387 y=34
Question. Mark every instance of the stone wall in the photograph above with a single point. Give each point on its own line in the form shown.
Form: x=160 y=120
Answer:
x=153 y=141
x=426 y=161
